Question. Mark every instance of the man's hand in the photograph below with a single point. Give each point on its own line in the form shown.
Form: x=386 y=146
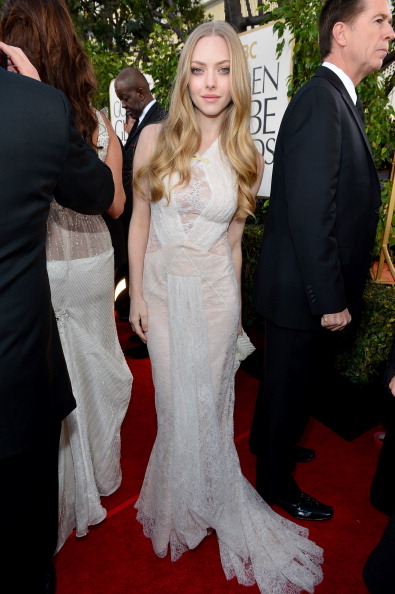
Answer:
x=18 y=62
x=336 y=321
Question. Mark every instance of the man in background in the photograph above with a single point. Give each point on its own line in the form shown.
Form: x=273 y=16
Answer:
x=133 y=91
x=318 y=238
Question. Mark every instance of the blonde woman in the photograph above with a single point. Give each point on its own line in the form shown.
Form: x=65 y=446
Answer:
x=196 y=176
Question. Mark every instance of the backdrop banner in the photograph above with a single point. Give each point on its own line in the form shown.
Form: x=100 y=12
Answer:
x=269 y=82
x=117 y=114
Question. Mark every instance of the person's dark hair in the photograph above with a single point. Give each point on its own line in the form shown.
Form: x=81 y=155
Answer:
x=335 y=11
x=43 y=29
x=134 y=79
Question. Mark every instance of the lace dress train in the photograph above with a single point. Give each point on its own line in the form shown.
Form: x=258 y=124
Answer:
x=193 y=483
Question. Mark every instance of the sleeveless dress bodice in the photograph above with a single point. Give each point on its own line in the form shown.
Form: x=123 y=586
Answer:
x=200 y=213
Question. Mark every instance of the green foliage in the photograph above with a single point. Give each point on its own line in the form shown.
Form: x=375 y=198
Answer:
x=158 y=52
x=301 y=18
x=122 y=24
x=378 y=119
x=160 y=60
x=106 y=64
x=113 y=23
x=251 y=246
x=361 y=359
x=147 y=35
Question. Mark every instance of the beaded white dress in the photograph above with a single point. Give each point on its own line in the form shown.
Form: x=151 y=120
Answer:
x=193 y=483
x=80 y=264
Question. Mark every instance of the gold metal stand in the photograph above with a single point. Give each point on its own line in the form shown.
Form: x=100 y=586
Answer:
x=384 y=252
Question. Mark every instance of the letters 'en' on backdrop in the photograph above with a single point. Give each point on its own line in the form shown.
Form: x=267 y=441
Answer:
x=269 y=82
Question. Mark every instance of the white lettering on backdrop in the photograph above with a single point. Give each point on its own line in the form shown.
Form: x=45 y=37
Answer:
x=269 y=81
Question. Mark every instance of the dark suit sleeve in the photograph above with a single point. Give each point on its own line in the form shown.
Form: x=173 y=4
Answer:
x=85 y=184
x=390 y=371
x=312 y=159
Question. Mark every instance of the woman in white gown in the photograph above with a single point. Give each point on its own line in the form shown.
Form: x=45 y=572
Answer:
x=81 y=274
x=196 y=179
x=80 y=264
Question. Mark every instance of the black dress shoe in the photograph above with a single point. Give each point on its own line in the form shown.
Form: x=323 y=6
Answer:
x=123 y=316
x=134 y=339
x=303 y=454
x=304 y=507
x=138 y=352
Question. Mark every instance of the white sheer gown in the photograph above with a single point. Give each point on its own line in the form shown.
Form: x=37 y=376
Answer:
x=80 y=266
x=193 y=483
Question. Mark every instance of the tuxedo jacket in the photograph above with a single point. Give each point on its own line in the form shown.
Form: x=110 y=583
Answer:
x=323 y=209
x=154 y=115
x=41 y=155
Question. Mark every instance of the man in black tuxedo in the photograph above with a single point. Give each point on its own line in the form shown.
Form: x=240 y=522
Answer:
x=41 y=159
x=133 y=91
x=318 y=237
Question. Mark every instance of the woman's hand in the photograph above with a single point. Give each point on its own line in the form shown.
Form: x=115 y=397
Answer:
x=139 y=317
x=240 y=328
x=18 y=61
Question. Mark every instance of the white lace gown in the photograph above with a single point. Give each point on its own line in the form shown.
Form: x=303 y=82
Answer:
x=193 y=483
x=80 y=266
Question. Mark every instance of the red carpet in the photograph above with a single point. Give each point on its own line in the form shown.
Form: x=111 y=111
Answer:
x=115 y=557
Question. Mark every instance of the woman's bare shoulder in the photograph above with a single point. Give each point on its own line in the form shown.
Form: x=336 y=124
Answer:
x=150 y=132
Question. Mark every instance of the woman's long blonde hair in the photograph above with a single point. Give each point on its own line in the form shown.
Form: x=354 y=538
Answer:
x=180 y=135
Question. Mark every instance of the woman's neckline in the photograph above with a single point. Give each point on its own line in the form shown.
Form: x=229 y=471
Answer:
x=200 y=155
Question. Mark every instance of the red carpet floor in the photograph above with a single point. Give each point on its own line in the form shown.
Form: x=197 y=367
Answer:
x=116 y=558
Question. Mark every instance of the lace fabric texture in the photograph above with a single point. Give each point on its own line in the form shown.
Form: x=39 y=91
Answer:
x=193 y=483
x=80 y=266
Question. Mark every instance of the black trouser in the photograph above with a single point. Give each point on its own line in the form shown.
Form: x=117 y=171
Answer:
x=282 y=409
x=29 y=515
x=382 y=492
x=379 y=569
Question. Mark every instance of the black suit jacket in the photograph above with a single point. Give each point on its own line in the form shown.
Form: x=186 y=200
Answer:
x=41 y=155
x=323 y=209
x=154 y=115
